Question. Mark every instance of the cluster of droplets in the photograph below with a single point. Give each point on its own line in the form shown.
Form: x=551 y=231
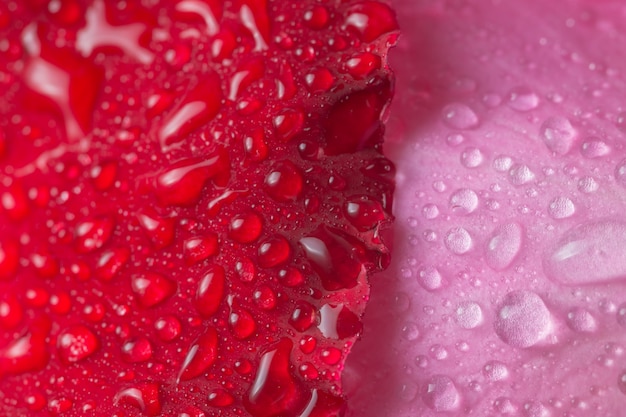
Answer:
x=191 y=204
x=508 y=228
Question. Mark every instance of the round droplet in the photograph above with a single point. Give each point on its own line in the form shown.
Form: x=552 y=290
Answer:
x=594 y=148
x=77 y=343
x=200 y=356
x=523 y=319
x=137 y=350
x=284 y=182
x=520 y=175
x=502 y=163
x=152 y=289
x=581 y=320
x=458 y=241
x=495 y=371
x=588 y=185
x=245 y=228
x=558 y=134
x=469 y=315
x=463 y=201
x=522 y=99
x=430 y=211
x=430 y=278
x=471 y=158
x=503 y=246
x=459 y=116
x=441 y=394
x=561 y=208
x=590 y=253
x=273 y=251
x=210 y=291
x=168 y=328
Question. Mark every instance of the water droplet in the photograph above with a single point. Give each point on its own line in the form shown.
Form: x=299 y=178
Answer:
x=440 y=394
x=561 y=208
x=200 y=356
x=370 y=20
x=284 y=182
x=523 y=319
x=502 y=163
x=144 y=396
x=430 y=211
x=303 y=316
x=430 y=278
x=152 y=289
x=364 y=213
x=558 y=134
x=589 y=254
x=137 y=350
x=471 y=158
x=522 y=99
x=458 y=241
x=463 y=201
x=594 y=148
x=93 y=234
x=168 y=328
x=588 y=185
x=459 y=116
x=245 y=228
x=77 y=343
x=273 y=252
x=503 y=245
x=520 y=174
x=210 y=291
x=581 y=320
x=495 y=371
x=469 y=315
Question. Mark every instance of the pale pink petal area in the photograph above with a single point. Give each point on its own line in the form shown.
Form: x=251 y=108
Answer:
x=507 y=291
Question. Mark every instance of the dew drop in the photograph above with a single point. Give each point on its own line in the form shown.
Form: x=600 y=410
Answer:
x=495 y=371
x=520 y=174
x=430 y=278
x=522 y=99
x=594 y=148
x=471 y=158
x=523 y=319
x=582 y=321
x=588 y=185
x=77 y=343
x=469 y=315
x=590 y=253
x=459 y=116
x=463 y=201
x=200 y=356
x=620 y=173
x=503 y=245
x=458 y=241
x=502 y=163
x=558 y=134
x=561 y=208
x=441 y=394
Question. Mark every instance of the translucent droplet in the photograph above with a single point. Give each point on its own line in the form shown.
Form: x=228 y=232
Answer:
x=440 y=394
x=463 y=201
x=594 y=148
x=558 y=134
x=581 y=320
x=458 y=241
x=588 y=185
x=523 y=320
x=503 y=246
x=522 y=99
x=459 y=116
x=495 y=371
x=520 y=175
x=589 y=254
x=502 y=163
x=430 y=211
x=471 y=158
x=561 y=208
x=430 y=278
x=620 y=173
x=469 y=315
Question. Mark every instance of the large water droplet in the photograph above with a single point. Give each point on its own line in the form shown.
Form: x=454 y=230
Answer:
x=558 y=134
x=464 y=201
x=441 y=394
x=503 y=246
x=588 y=254
x=523 y=319
x=469 y=315
x=458 y=241
x=561 y=208
x=522 y=99
x=459 y=116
